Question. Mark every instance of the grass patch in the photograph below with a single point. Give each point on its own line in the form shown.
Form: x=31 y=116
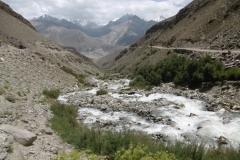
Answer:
x=10 y=98
x=51 y=93
x=10 y=149
x=79 y=77
x=101 y=92
x=6 y=85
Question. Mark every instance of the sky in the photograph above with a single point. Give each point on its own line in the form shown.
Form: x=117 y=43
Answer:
x=101 y=11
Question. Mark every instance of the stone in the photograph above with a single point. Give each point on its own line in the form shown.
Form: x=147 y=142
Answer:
x=180 y=106
x=225 y=87
x=49 y=132
x=54 y=150
x=10 y=139
x=126 y=89
x=105 y=84
x=24 y=137
x=222 y=140
x=221 y=111
x=226 y=120
x=24 y=121
x=192 y=115
x=210 y=108
x=3 y=156
x=236 y=107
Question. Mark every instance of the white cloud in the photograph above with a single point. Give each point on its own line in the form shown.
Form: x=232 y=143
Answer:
x=102 y=11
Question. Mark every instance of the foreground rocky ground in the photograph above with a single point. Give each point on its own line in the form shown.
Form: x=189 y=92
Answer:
x=24 y=74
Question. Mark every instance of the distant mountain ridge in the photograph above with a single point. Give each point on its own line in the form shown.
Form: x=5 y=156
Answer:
x=77 y=23
x=121 y=32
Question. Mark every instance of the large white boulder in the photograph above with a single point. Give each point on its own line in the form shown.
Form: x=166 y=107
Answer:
x=23 y=137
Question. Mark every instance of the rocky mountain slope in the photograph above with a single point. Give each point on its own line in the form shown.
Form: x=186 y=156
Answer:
x=203 y=24
x=30 y=63
x=123 y=31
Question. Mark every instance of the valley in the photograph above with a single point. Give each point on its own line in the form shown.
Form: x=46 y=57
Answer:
x=130 y=89
x=90 y=38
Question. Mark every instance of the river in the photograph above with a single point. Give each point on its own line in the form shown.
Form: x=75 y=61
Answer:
x=168 y=117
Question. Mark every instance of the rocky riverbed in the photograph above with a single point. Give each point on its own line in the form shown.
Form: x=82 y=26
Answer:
x=167 y=112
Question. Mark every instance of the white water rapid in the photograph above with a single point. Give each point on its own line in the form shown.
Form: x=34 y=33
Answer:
x=187 y=121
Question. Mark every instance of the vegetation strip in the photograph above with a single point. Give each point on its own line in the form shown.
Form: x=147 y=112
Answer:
x=182 y=71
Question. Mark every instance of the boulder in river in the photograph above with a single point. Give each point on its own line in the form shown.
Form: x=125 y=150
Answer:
x=192 y=115
x=222 y=140
x=180 y=106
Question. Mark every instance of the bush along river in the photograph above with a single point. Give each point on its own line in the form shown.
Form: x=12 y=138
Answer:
x=163 y=113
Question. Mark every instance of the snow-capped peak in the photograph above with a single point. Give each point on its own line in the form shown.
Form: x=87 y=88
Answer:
x=83 y=23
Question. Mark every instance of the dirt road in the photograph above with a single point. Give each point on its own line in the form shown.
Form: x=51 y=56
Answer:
x=197 y=49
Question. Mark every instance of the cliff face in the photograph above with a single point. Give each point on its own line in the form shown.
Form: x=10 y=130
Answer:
x=9 y=10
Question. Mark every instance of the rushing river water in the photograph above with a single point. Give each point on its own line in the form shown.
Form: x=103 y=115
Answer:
x=191 y=122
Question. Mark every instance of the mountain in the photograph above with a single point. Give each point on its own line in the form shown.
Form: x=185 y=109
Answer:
x=68 y=33
x=123 y=31
x=30 y=64
x=202 y=24
x=86 y=23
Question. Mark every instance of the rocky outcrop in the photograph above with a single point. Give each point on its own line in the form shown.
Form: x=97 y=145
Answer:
x=24 y=137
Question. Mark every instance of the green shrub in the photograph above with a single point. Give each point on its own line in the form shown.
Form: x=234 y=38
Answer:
x=138 y=82
x=182 y=71
x=79 y=77
x=51 y=93
x=141 y=152
x=101 y=92
x=10 y=98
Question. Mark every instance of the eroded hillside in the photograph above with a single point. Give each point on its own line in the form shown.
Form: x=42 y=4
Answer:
x=203 y=24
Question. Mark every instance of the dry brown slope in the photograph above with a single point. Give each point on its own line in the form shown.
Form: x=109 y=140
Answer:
x=202 y=23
